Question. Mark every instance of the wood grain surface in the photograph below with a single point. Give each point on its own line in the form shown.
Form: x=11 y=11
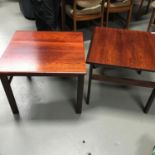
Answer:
x=122 y=48
x=32 y=52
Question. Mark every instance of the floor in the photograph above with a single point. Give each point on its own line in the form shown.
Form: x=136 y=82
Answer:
x=112 y=124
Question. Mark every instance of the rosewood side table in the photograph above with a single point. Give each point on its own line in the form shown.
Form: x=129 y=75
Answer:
x=33 y=53
x=119 y=48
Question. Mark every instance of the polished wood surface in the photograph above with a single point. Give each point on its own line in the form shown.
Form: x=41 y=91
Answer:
x=123 y=48
x=31 y=52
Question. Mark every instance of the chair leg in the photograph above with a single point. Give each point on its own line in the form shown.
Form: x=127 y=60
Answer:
x=148 y=6
x=63 y=23
x=149 y=102
x=129 y=18
x=107 y=18
x=151 y=20
x=102 y=14
x=63 y=18
x=102 y=18
x=140 y=7
x=74 y=25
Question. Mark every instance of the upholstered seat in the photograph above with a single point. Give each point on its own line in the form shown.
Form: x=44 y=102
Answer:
x=88 y=3
x=83 y=10
x=94 y=9
x=91 y=9
x=119 y=4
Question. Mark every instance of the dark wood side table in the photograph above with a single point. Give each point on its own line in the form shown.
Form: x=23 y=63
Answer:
x=33 y=53
x=118 y=48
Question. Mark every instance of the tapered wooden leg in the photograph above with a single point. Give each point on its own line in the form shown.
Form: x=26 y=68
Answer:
x=140 y=8
x=148 y=6
x=151 y=20
x=107 y=18
x=129 y=18
x=9 y=94
x=74 y=25
x=63 y=17
x=89 y=84
x=149 y=102
x=102 y=13
x=80 y=93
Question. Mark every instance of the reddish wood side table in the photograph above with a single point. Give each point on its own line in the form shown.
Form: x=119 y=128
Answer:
x=33 y=53
x=119 y=48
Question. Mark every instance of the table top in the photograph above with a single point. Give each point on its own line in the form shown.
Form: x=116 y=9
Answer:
x=32 y=52
x=122 y=48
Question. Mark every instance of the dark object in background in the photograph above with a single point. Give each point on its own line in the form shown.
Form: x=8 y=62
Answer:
x=26 y=8
x=153 y=151
x=46 y=13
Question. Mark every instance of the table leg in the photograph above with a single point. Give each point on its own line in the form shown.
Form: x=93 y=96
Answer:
x=10 y=79
x=89 y=84
x=139 y=72
x=149 y=102
x=9 y=94
x=80 y=93
x=29 y=78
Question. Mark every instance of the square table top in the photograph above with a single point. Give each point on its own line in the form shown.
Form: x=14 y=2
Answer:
x=122 y=48
x=44 y=53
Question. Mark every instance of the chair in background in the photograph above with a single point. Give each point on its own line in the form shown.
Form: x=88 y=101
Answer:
x=82 y=10
x=141 y=6
x=152 y=19
x=118 y=7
